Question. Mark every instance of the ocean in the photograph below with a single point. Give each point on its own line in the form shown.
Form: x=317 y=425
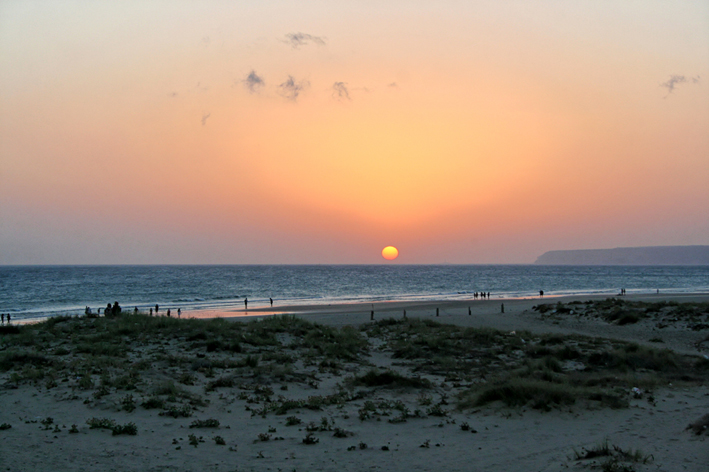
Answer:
x=35 y=292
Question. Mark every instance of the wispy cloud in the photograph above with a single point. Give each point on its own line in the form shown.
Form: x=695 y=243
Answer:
x=340 y=92
x=290 y=89
x=675 y=80
x=253 y=82
x=204 y=118
x=297 y=40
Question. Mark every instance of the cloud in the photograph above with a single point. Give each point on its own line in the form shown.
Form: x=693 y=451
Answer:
x=393 y=84
x=290 y=89
x=297 y=40
x=675 y=80
x=204 y=118
x=253 y=82
x=340 y=92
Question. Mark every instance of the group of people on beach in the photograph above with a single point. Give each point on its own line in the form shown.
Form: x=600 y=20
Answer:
x=3 y=315
x=485 y=295
x=115 y=310
x=168 y=312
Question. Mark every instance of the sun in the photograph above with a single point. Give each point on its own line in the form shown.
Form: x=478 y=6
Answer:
x=390 y=253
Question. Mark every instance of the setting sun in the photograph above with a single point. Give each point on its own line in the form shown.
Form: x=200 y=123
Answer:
x=390 y=253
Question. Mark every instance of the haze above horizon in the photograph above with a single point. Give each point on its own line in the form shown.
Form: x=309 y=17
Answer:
x=275 y=132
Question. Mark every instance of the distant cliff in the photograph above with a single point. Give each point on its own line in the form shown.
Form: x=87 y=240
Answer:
x=652 y=255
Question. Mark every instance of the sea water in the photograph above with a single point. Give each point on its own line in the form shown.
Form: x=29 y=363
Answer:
x=36 y=292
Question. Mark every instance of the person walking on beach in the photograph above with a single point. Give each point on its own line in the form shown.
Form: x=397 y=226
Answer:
x=168 y=313
x=8 y=318
x=271 y=300
x=3 y=318
x=179 y=312
x=246 y=303
x=151 y=311
x=156 y=308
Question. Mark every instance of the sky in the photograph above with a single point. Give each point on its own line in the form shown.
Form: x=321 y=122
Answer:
x=319 y=132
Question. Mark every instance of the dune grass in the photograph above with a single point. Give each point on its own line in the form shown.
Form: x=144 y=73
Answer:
x=173 y=365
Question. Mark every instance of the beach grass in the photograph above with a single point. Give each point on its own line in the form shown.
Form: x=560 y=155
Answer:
x=170 y=364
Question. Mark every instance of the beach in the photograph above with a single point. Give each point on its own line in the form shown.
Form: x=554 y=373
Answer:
x=327 y=388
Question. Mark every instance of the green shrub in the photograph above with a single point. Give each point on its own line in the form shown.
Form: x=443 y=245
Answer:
x=100 y=423
x=210 y=423
x=128 y=428
x=388 y=378
x=181 y=411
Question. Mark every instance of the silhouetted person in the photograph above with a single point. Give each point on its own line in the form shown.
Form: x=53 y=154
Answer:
x=3 y=318
x=108 y=311
x=179 y=312
x=151 y=311
x=156 y=308
x=135 y=310
x=271 y=300
x=246 y=303
x=8 y=318
x=116 y=309
x=541 y=293
x=168 y=313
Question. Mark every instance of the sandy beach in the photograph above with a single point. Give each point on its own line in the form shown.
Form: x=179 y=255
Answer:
x=346 y=393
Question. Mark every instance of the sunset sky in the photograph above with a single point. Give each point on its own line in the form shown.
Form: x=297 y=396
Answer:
x=320 y=132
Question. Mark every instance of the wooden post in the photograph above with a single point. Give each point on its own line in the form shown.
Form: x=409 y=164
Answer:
x=436 y=311
x=372 y=316
x=502 y=308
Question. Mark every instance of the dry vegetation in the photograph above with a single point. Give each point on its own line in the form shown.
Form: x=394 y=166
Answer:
x=281 y=367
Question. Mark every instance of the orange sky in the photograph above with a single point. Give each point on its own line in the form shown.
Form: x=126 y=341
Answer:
x=130 y=132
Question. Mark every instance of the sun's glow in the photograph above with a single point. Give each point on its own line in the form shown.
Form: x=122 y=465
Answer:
x=390 y=253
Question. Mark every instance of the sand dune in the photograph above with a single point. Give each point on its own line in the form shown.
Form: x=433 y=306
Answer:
x=271 y=387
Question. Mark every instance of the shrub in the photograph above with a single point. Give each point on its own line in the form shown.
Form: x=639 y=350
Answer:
x=389 y=378
x=341 y=433
x=293 y=421
x=521 y=392
x=220 y=382
x=183 y=411
x=210 y=423
x=128 y=428
x=100 y=423
x=701 y=426
x=128 y=403
x=153 y=402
